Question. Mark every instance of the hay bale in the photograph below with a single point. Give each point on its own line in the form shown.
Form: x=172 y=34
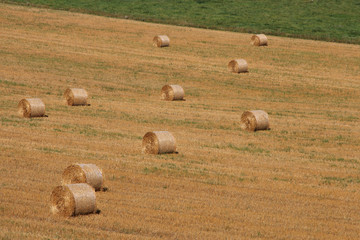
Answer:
x=158 y=142
x=255 y=120
x=31 y=107
x=172 y=92
x=83 y=173
x=161 y=41
x=238 y=66
x=76 y=96
x=259 y=40
x=73 y=199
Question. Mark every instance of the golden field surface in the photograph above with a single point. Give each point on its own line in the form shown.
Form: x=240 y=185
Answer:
x=299 y=180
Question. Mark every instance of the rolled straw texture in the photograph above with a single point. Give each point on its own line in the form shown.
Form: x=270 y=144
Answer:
x=161 y=41
x=238 y=66
x=76 y=96
x=73 y=199
x=83 y=173
x=158 y=142
x=255 y=120
x=31 y=107
x=259 y=40
x=172 y=92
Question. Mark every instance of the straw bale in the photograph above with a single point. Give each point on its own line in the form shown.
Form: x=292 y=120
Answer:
x=83 y=173
x=76 y=96
x=161 y=41
x=73 y=199
x=158 y=142
x=259 y=40
x=172 y=92
x=255 y=120
x=31 y=107
x=238 y=66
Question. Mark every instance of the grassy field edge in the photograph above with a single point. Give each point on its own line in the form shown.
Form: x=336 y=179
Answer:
x=337 y=35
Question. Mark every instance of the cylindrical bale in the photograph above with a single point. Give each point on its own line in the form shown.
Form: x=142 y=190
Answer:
x=31 y=107
x=255 y=120
x=73 y=199
x=158 y=142
x=161 y=41
x=83 y=173
x=172 y=92
x=76 y=96
x=238 y=66
x=259 y=40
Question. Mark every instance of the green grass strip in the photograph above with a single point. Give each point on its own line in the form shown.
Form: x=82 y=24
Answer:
x=329 y=20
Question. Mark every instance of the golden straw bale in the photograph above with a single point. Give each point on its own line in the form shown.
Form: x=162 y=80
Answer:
x=31 y=107
x=161 y=41
x=172 y=92
x=83 y=173
x=73 y=199
x=238 y=66
x=259 y=40
x=158 y=142
x=255 y=120
x=76 y=96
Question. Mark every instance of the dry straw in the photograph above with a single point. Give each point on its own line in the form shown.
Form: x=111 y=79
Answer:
x=73 y=199
x=172 y=92
x=158 y=142
x=161 y=41
x=255 y=120
x=31 y=107
x=76 y=96
x=238 y=66
x=83 y=173
x=259 y=40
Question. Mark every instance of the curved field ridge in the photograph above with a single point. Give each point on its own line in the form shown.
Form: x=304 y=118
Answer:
x=299 y=180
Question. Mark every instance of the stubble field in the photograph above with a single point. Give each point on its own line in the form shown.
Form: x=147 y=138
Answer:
x=299 y=180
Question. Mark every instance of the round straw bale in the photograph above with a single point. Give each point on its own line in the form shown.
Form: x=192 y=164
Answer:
x=31 y=107
x=73 y=199
x=259 y=40
x=255 y=120
x=238 y=66
x=83 y=173
x=161 y=41
x=158 y=142
x=172 y=92
x=76 y=96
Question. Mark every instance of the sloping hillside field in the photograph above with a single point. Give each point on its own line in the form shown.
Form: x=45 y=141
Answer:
x=298 y=180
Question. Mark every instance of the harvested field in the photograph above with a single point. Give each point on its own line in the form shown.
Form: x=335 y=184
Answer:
x=299 y=180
